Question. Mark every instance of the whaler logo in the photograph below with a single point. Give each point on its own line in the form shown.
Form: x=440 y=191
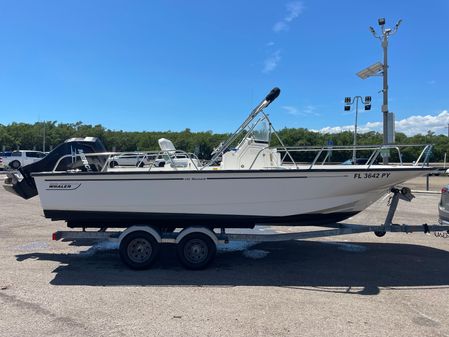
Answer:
x=63 y=186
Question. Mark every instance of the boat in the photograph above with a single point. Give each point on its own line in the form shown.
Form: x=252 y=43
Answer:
x=245 y=183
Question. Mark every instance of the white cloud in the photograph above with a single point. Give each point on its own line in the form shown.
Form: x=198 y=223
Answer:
x=422 y=124
x=294 y=9
x=307 y=111
x=410 y=126
x=291 y=110
x=280 y=26
x=272 y=61
x=310 y=110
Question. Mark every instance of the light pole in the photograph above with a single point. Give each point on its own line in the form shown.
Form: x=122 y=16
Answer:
x=386 y=33
x=380 y=69
x=348 y=102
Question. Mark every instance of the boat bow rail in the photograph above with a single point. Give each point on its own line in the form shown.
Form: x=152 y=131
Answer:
x=320 y=156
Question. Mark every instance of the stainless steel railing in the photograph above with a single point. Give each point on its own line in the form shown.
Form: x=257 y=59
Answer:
x=149 y=159
x=321 y=156
x=376 y=151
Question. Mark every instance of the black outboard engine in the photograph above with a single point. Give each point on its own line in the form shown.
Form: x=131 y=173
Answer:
x=23 y=184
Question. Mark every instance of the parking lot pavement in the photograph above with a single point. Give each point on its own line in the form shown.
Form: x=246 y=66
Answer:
x=354 y=285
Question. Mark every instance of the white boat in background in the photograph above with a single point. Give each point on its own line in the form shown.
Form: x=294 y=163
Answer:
x=246 y=183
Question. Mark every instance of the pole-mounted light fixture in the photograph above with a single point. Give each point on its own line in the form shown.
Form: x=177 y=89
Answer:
x=348 y=102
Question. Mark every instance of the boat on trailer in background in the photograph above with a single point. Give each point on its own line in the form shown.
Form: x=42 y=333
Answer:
x=245 y=183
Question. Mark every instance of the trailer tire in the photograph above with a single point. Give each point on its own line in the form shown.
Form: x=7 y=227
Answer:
x=138 y=250
x=196 y=251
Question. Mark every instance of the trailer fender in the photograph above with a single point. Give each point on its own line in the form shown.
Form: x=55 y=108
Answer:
x=148 y=229
x=203 y=230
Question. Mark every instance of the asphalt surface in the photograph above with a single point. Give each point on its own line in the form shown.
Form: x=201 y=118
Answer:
x=356 y=285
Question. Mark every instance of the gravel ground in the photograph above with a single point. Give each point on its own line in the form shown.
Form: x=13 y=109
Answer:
x=352 y=285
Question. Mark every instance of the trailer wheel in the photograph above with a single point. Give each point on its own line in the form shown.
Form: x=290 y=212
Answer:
x=380 y=234
x=196 y=251
x=138 y=250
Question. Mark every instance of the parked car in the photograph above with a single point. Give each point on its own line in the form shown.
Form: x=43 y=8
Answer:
x=3 y=158
x=443 y=206
x=177 y=160
x=129 y=159
x=21 y=158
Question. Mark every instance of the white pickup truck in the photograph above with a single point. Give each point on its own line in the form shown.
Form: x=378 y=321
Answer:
x=21 y=158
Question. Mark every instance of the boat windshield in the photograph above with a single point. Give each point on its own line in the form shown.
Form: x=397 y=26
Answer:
x=261 y=132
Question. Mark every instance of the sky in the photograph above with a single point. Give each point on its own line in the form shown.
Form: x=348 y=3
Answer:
x=171 y=65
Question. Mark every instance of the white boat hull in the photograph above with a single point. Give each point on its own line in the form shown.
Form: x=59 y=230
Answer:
x=215 y=198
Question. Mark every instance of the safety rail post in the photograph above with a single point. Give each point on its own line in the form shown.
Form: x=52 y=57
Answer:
x=316 y=158
x=399 y=154
x=423 y=153
x=427 y=157
x=373 y=157
x=279 y=139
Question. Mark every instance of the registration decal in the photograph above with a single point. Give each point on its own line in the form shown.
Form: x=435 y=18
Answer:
x=372 y=175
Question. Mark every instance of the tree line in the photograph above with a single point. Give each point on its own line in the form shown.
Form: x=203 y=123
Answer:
x=31 y=137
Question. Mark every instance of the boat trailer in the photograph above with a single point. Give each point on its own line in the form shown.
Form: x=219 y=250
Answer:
x=196 y=246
